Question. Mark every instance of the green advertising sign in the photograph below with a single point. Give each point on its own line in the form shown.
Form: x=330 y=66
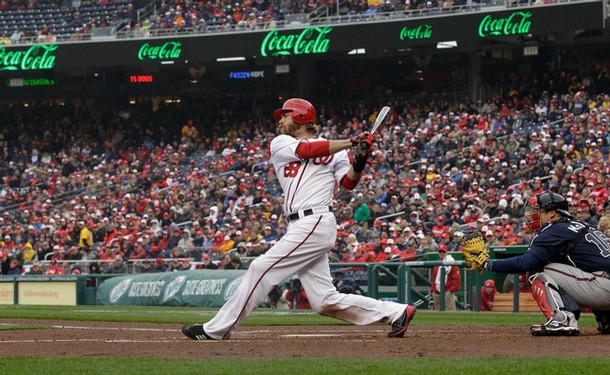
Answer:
x=420 y=32
x=203 y=288
x=517 y=23
x=37 y=57
x=304 y=42
x=166 y=51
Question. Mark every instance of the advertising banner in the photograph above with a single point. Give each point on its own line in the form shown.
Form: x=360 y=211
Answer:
x=7 y=296
x=47 y=293
x=204 y=288
x=312 y=41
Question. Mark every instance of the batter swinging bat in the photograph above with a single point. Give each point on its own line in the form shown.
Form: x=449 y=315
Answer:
x=378 y=121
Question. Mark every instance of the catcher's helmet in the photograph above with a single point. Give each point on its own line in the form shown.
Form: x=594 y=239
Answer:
x=303 y=112
x=547 y=201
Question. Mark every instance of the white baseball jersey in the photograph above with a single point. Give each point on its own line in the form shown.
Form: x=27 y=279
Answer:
x=306 y=183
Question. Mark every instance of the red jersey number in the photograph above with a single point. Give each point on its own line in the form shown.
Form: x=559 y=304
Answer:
x=291 y=170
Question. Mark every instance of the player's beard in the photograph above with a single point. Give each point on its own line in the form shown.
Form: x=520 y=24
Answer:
x=289 y=129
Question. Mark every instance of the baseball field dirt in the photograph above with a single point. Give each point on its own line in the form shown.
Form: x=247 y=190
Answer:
x=75 y=338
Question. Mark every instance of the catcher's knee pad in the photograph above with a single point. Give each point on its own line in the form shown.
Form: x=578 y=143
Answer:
x=546 y=293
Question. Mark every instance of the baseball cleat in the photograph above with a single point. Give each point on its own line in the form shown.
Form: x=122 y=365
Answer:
x=556 y=328
x=400 y=325
x=603 y=325
x=195 y=332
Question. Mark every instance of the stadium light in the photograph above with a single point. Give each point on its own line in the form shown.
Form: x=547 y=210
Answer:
x=447 y=44
x=357 y=51
x=229 y=59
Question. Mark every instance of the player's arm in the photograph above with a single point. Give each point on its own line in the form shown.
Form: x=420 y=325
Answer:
x=519 y=264
x=321 y=148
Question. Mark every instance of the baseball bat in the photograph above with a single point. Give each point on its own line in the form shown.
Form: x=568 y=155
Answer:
x=378 y=121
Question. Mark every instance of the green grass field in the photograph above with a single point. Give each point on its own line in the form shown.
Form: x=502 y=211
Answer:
x=29 y=364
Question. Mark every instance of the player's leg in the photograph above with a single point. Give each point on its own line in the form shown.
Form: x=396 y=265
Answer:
x=352 y=308
x=585 y=288
x=262 y=274
x=561 y=321
x=296 y=249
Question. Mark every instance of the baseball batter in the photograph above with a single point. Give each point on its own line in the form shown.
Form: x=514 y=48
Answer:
x=308 y=169
x=572 y=259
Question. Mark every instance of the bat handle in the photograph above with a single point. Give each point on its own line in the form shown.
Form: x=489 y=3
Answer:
x=363 y=146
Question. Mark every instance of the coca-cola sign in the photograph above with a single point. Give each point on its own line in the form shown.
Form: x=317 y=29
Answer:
x=419 y=32
x=166 y=51
x=38 y=57
x=307 y=41
x=517 y=23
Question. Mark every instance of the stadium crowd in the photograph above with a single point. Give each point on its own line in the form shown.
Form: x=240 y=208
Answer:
x=74 y=20
x=92 y=190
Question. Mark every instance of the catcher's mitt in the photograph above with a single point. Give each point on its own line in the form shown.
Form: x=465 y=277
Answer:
x=475 y=251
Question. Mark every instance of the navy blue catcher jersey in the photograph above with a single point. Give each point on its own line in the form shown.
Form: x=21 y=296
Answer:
x=551 y=245
x=591 y=253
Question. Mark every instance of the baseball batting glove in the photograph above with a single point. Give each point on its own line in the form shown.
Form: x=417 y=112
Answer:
x=475 y=251
x=363 y=143
x=363 y=146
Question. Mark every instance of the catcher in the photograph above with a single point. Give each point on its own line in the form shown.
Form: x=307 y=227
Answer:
x=569 y=261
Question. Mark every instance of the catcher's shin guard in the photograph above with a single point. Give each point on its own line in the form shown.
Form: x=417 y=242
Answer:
x=545 y=292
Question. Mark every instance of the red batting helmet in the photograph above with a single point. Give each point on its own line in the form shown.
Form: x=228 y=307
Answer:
x=303 y=111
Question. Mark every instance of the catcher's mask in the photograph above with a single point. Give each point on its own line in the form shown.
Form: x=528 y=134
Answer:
x=302 y=111
x=547 y=201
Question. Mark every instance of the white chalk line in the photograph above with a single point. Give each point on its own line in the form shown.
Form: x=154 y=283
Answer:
x=234 y=337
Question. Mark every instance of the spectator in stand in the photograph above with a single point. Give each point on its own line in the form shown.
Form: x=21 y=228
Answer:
x=163 y=241
x=85 y=239
x=234 y=263
x=53 y=268
x=426 y=242
x=35 y=269
x=14 y=268
x=28 y=253
x=362 y=213
x=93 y=268
x=224 y=261
x=455 y=244
x=58 y=253
x=5 y=261
x=117 y=266
x=138 y=252
x=488 y=293
x=185 y=264
x=440 y=228
x=206 y=263
x=186 y=242
x=160 y=265
x=269 y=234
x=174 y=239
x=453 y=281
x=175 y=265
x=227 y=245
